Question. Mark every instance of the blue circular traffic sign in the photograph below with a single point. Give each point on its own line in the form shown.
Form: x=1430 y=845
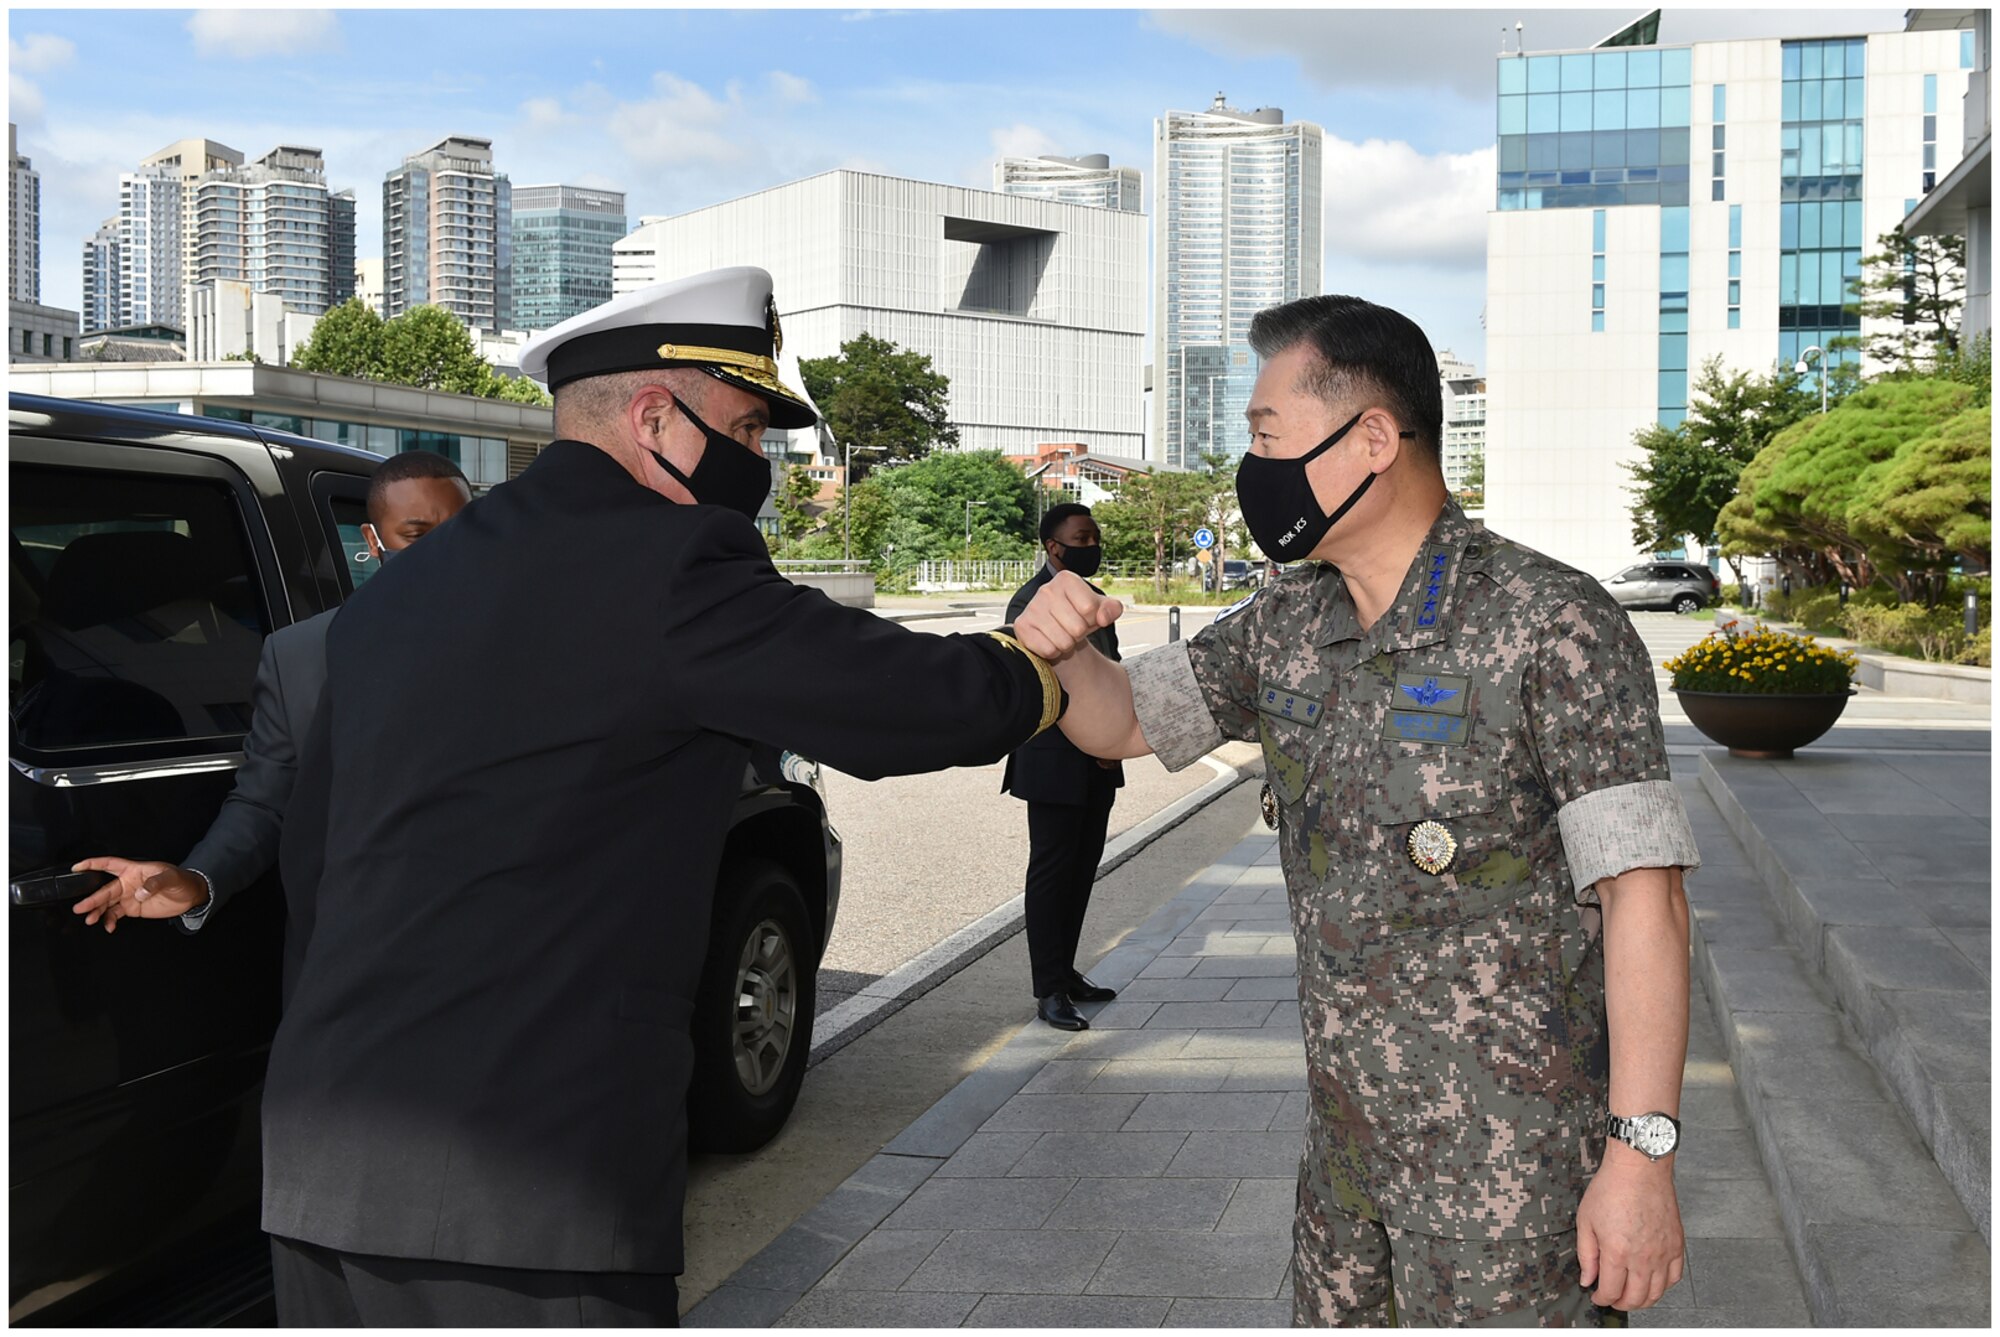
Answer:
x=1203 y=539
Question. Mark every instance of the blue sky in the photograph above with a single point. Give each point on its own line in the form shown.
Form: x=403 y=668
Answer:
x=681 y=108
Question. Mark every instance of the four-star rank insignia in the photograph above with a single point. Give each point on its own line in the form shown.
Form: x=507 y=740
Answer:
x=1432 y=847
x=1268 y=801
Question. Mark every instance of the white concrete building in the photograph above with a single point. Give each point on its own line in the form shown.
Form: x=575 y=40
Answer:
x=1660 y=206
x=184 y=162
x=100 y=277
x=1090 y=180
x=1236 y=228
x=37 y=333
x=274 y=224
x=24 y=205
x=230 y=318
x=1960 y=203
x=368 y=283
x=149 y=248
x=1035 y=310
x=1464 y=391
x=448 y=234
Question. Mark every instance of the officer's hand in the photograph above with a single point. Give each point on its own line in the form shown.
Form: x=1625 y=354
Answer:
x=1628 y=1231
x=1062 y=615
x=140 y=889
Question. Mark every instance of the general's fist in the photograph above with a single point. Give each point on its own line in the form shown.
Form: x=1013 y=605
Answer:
x=1062 y=615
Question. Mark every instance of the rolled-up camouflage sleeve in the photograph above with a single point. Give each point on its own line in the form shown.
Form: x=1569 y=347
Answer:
x=1190 y=695
x=1592 y=717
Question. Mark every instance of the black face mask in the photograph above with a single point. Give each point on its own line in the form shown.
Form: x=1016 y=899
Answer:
x=1278 y=504
x=1083 y=561
x=728 y=474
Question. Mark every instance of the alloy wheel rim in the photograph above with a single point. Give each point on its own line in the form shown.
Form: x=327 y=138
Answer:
x=767 y=1000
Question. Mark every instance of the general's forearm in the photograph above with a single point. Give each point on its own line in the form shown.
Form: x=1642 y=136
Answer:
x=1100 y=720
x=1646 y=989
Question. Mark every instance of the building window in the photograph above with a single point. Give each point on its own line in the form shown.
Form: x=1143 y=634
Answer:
x=1673 y=315
x=1735 y=266
x=1965 y=42
x=1597 y=271
x=1820 y=167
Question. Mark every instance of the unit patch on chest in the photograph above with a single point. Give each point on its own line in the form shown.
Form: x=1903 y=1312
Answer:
x=1428 y=708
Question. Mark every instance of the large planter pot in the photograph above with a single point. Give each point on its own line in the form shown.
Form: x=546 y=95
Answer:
x=1752 y=724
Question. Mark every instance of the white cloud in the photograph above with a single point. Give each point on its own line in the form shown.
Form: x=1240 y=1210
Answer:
x=39 y=53
x=245 y=34
x=1021 y=140
x=1386 y=202
x=683 y=123
x=791 y=88
x=24 y=101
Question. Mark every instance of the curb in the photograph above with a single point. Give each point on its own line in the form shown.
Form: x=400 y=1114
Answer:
x=852 y=1017
x=923 y=615
x=758 y=1293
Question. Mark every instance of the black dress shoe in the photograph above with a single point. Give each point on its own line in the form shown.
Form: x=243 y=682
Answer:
x=1060 y=1012
x=1083 y=991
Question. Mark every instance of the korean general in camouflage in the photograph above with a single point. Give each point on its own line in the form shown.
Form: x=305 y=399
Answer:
x=1464 y=762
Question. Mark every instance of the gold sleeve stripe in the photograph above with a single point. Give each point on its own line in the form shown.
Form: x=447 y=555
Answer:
x=1051 y=690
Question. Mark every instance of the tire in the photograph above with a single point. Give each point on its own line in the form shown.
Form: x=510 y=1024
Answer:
x=753 y=1017
x=1686 y=603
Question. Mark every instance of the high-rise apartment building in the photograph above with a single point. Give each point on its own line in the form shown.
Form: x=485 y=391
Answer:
x=448 y=235
x=274 y=225
x=100 y=278
x=1661 y=206
x=1090 y=180
x=1236 y=228
x=24 y=206
x=562 y=251
x=150 y=253
x=1034 y=310
x=184 y=162
x=368 y=283
x=1464 y=393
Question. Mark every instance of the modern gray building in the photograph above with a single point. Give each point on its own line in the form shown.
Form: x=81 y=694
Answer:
x=1236 y=228
x=563 y=237
x=1034 y=310
x=100 y=277
x=448 y=234
x=274 y=225
x=37 y=333
x=150 y=251
x=1090 y=180
x=24 y=205
x=184 y=162
x=1958 y=201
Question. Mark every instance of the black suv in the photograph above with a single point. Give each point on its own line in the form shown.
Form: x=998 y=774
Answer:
x=152 y=553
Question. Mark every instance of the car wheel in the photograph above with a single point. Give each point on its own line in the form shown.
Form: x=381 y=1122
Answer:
x=753 y=1016
x=1686 y=603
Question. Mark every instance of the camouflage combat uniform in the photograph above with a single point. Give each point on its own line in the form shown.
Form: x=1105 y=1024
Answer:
x=1455 y=1021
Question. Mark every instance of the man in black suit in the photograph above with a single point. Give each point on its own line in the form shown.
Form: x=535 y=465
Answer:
x=408 y=496
x=511 y=813
x=1069 y=798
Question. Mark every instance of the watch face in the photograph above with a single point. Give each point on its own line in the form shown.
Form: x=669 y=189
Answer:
x=1654 y=1134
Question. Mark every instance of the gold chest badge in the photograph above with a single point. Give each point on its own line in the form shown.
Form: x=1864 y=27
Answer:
x=1432 y=847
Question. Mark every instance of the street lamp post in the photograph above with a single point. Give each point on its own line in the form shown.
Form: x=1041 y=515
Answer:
x=1801 y=369
x=968 y=527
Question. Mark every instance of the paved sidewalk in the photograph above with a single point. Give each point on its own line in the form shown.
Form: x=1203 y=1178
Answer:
x=1141 y=1174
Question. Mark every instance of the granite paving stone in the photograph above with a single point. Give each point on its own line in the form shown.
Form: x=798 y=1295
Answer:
x=988 y=1154
x=1064 y=1077
x=877 y=1309
x=1267 y=1074
x=1790 y=1052
x=1143 y=1204
x=1206 y=1109
x=1168 y=967
x=1856 y=1163
x=1915 y=1278
x=1192 y=1313
x=1261 y=1207
x=1122 y=1015
x=975 y=1204
x=1239 y=1155
x=1272 y=988
x=1185 y=1016
x=1068 y=1311
x=1275 y=1042
x=1143 y=1043
x=1209 y=967
x=1107 y=1155
x=1293 y=1113
x=1012 y=1262
x=883 y=1260
x=1167 y=1074
x=1752 y=1278
x=1175 y=991
x=1081 y=1112
x=1890 y=958
x=1194 y=1263
x=1714 y=1208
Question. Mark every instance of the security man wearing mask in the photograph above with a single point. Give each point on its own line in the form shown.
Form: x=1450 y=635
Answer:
x=1482 y=845
x=1069 y=798
x=475 y=1109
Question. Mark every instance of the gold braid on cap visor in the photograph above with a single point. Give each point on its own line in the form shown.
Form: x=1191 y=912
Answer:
x=752 y=366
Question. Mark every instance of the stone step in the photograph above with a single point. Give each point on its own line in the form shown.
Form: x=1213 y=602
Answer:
x=1922 y=1009
x=1879 y=1236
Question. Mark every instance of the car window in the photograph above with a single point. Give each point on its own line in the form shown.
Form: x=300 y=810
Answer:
x=1632 y=573
x=1673 y=572
x=349 y=514
x=134 y=613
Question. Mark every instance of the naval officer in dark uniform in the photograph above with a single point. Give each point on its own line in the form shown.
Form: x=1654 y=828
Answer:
x=513 y=806
x=1069 y=796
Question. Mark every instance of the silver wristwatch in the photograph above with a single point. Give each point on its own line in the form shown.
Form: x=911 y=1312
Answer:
x=1652 y=1135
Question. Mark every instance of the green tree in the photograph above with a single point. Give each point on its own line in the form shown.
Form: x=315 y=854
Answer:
x=430 y=348
x=1918 y=283
x=875 y=394
x=1932 y=499
x=795 y=494
x=1689 y=472
x=1798 y=496
x=920 y=509
x=346 y=341
x=521 y=390
x=1155 y=512
x=1472 y=488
